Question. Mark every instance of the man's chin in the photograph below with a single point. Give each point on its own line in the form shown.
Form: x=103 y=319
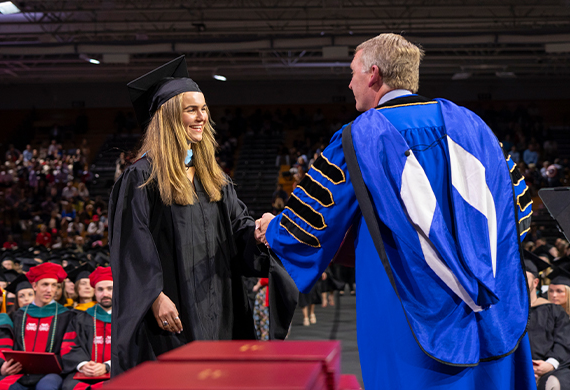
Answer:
x=106 y=305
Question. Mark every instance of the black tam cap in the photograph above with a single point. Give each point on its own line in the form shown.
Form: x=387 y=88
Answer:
x=155 y=88
x=81 y=273
x=20 y=283
x=534 y=264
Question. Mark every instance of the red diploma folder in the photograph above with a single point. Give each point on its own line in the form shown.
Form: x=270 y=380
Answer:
x=220 y=376
x=41 y=363
x=326 y=353
x=82 y=377
x=349 y=382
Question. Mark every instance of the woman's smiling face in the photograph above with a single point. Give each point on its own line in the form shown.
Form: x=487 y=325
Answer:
x=194 y=115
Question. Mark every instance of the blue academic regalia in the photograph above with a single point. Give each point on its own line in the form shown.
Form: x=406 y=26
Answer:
x=451 y=231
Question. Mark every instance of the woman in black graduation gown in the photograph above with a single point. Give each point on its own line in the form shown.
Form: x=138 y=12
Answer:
x=180 y=238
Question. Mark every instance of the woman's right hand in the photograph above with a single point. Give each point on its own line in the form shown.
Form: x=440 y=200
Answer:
x=165 y=312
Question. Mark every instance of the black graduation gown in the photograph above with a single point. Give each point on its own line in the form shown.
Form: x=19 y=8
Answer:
x=6 y=336
x=549 y=336
x=61 y=322
x=196 y=255
x=81 y=349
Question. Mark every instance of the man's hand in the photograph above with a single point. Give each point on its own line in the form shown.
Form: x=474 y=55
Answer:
x=94 y=369
x=10 y=368
x=261 y=227
x=541 y=367
x=166 y=314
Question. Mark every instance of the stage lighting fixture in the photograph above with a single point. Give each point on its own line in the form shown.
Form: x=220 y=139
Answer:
x=85 y=57
x=219 y=77
x=7 y=7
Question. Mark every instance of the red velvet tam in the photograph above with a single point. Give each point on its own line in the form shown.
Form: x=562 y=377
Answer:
x=100 y=274
x=46 y=271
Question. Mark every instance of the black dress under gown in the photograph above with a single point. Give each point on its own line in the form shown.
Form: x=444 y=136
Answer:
x=549 y=336
x=196 y=255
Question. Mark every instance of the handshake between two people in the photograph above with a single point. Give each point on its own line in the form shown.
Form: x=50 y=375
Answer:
x=261 y=227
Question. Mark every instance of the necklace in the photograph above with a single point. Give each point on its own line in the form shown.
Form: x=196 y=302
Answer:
x=24 y=325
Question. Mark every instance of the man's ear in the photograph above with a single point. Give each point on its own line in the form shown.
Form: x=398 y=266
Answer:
x=375 y=76
x=34 y=285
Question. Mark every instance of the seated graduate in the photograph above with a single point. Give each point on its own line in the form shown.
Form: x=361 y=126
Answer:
x=40 y=327
x=22 y=289
x=548 y=332
x=7 y=344
x=83 y=290
x=559 y=288
x=180 y=238
x=90 y=352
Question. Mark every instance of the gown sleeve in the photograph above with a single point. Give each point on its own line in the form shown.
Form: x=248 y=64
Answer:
x=560 y=349
x=75 y=347
x=523 y=198
x=135 y=263
x=6 y=337
x=308 y=233
x=283 y=293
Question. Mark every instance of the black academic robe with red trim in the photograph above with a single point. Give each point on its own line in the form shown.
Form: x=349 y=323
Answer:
x=82 y=347
x=6 y=336
x=40 y=325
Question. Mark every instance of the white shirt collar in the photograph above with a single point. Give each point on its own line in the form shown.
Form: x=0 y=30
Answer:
x=52 y=301
x=393 y=94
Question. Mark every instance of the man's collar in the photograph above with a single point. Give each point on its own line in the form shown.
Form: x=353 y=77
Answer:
x=34 y=303
x=393 y=94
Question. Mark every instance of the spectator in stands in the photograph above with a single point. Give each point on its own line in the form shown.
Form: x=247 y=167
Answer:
x=43 y=237
x=10 y=243
x=95 y=229
x=12 y=154
x=82 y=191
x=28 y=153
x=515 y=155
x=52 y=149
x=68 y=211
x=530 y=156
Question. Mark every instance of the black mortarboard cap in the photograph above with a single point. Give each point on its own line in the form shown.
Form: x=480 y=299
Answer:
x=20 y=283
x=101 y=259
x=155 y=88
x=534 y=264
x=560 y=275
x=8 y=275
x=28 y=263
x=81 y=273
x=54 y=258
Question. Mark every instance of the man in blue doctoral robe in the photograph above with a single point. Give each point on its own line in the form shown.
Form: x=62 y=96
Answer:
x=443 y=304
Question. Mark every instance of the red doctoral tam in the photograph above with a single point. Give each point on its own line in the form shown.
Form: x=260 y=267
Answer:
x=100 y=274
x=46 y=271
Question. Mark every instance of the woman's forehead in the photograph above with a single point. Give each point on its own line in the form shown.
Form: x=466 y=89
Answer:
x=193 y=98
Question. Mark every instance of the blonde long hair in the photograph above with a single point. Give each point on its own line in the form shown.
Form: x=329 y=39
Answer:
x=166 y=144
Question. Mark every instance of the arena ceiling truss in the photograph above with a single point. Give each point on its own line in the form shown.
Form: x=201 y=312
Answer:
x=53 y=41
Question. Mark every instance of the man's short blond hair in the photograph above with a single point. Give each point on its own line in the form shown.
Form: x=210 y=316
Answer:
x=397 y=58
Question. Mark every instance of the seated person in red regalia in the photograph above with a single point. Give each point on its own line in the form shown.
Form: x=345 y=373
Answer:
x=38 y=327
x=90 y=352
